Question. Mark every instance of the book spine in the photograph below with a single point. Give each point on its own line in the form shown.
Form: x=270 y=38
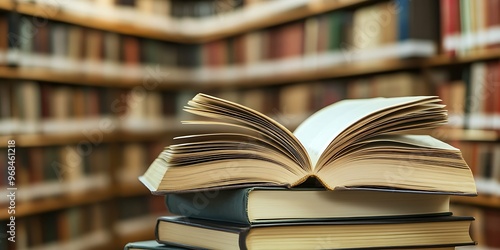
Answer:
x=226 y=205
x=13 y=37
x=242 y=241
x=403 y=20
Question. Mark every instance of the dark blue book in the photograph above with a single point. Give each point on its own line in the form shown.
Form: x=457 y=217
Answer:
x=264 y=205
x=417 y=19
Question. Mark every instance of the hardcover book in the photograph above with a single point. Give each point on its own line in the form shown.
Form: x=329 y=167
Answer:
x=266 y=205
x=430 y=232
x=352 y=144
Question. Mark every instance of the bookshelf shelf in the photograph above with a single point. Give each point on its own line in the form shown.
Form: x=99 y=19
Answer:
x=178 y=30
x=347 y=70
x=476 y=56
x=100 y=239
x=58 y=202
x=57 y=76
x=457 y=134
x=191 y=81
x=41 y=140
x=492 y=201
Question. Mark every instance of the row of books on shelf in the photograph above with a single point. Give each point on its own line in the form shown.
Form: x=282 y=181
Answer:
x=83 y=227
x=176 y=18
x=473 y=98
x=170 y=8
x=91 y=226
x=58 y=170
x=379 y=31
x=467 y=26
x=483 y=159
x=44 y=172
x=29 y=107
x=32 y=107
x=138 y=206
x=486 y=224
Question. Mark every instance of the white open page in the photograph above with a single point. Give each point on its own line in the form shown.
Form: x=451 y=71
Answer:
x=317 y=131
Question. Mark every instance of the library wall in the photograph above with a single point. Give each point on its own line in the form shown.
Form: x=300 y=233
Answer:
x=92 y=91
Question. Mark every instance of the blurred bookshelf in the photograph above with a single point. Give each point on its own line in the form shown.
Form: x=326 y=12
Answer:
x=92 y=90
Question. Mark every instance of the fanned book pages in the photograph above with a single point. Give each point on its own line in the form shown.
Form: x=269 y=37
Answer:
x=352 y=144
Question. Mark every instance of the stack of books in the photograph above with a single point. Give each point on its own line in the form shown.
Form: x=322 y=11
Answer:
x=348 y=177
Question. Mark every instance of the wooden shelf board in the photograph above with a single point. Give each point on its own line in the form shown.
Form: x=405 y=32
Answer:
x=480 y=200
x=340 y=71
x=348 y=70
x=313 y=8
x=458 y=134
x=40 y=140
x=4 y=139
x=254 y=22
x=57 y=202
x=6 y=5
x=57 y=76
x=446 y=60
x=96 y=22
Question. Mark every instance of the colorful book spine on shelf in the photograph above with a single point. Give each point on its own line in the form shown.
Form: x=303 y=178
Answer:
x=485 y=226
x=469 y=26
x=380 y=31
x=484 y=160
x=82 y=227
x=473 y=99
x=32 y=107
x=45 y=172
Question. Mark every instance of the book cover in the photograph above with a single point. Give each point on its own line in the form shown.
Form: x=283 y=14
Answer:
x=263 y=205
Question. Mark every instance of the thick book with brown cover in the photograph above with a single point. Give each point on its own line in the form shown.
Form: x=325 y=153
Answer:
x=352 y=144
x=425 y=232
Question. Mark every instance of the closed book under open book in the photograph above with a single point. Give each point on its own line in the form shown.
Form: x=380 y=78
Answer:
x=347 y=145
x=428 y=232
x=266 y=205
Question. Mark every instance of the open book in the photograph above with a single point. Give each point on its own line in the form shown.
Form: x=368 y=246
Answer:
x=352 y=144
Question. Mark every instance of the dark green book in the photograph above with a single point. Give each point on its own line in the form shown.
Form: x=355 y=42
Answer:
x=263 y=205
x=428 y=232
x=150 y=244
